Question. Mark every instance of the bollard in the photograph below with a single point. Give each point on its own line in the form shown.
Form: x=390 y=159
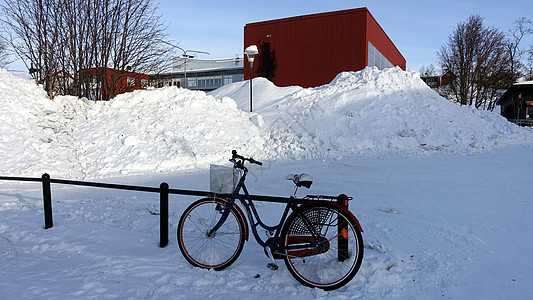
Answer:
x=163 y=214
x=47 y=200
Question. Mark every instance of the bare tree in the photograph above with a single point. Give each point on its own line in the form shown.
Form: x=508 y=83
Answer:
x=4 y=54
x=428 y=71
x=477 y=57
x=34 y=40
x=96 y=41
x=522 y=28
x=529 y=67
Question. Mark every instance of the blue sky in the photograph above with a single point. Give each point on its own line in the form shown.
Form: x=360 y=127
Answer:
x=418 y=27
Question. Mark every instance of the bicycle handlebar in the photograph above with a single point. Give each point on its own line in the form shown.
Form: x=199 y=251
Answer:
x=251 y=160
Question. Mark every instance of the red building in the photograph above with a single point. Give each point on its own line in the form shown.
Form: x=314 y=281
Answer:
x=106 y=83
x=436 y=81
x=311 y=50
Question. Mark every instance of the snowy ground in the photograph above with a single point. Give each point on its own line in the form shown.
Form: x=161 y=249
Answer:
x=441 y=191
x=448 y=226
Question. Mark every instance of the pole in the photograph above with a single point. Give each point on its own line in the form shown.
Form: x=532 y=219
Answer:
x=47 y=201
x=185 y=69
x=251 y=64
x=251 y=52
x=184 y=56
x=163 y=215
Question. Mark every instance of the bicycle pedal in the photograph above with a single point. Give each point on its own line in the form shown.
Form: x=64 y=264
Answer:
x=272 y=266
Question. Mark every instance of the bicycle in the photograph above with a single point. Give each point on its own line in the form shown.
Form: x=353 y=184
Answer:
x=320 y=241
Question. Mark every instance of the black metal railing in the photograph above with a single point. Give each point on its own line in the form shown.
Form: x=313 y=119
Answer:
x=164 y=190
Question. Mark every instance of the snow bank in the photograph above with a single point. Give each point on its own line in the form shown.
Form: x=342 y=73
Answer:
x=169 y=129
x=36 y=133
x=161 y=130
x=379 y=111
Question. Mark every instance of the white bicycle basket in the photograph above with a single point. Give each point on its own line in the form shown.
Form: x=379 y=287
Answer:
x=222 y=179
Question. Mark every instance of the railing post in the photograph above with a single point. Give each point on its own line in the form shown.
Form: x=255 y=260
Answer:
x=343 y=253
x=163 y=214
x=47 y=200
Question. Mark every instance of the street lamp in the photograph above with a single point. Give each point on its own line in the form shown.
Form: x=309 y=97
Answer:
x=185 y=56
x=251 y=52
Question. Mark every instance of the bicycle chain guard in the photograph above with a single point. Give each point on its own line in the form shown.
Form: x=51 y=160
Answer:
x=300 y=240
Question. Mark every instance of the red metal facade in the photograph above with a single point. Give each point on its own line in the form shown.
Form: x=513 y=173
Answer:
x=311 y=50
x=115 y=82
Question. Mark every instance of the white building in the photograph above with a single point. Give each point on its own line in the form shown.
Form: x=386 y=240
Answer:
x=201 y=74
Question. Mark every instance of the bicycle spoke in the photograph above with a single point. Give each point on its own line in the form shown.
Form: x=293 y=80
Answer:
x=218 y=250
x=323 y=267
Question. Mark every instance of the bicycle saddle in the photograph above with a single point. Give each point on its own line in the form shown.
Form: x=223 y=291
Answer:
x=300 y=180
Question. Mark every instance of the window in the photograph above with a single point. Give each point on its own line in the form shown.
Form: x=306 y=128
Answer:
x=228 y=80
x=131 y=81
x=144 y=83
x=376 y=59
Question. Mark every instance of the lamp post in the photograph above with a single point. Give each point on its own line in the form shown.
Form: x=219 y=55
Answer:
x=184 y=56
x=251 y=52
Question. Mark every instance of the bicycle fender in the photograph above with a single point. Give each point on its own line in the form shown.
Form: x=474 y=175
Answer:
x=344 y=209
x=246 y=229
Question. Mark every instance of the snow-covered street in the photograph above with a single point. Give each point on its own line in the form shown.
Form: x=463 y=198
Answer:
x=439 y=226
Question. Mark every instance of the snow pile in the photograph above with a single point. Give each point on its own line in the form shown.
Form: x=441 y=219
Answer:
x=378 y=111
x=161 y=130
x=170 y=129
x=145 y=131
x=36 y=133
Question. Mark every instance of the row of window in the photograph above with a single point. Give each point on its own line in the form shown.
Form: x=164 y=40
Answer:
x=211 y=81
x=376 y=59
x=131 y=82
x=200 y=82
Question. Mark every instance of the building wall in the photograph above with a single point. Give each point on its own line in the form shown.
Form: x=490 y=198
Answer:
x=195 y=64
x=377 y=36
x=201 y=74
x=114 y=82
x=517 y=102
x=311 y=50
x=206 y=80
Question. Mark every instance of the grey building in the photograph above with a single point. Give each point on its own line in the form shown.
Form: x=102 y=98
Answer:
x=201 y=74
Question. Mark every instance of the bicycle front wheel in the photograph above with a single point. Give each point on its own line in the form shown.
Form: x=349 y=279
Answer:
x=218 y=250
x=340 y=254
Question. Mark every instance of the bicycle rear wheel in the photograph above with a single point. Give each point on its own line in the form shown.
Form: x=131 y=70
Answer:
x=340 y=254
x=219 y=250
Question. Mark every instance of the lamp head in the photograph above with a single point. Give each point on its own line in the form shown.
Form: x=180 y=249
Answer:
x=251 y=52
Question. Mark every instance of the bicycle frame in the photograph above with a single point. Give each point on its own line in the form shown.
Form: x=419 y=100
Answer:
x=255 y=219
x=317 y=237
